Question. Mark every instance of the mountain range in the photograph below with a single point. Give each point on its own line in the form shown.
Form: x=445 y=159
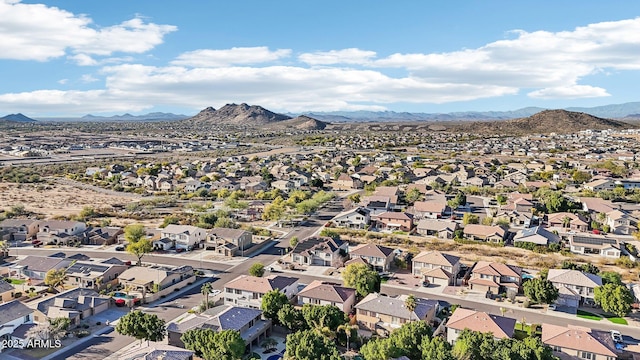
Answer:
x=17 y=118
x=157 y=116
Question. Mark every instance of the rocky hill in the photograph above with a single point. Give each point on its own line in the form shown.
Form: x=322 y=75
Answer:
x=253 y=115
x=547 y=121
x=17 y=118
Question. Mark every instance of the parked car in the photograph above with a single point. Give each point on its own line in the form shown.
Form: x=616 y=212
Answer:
x=179 y=250
x=120 y=248
x=616 y=336
x=552 y=307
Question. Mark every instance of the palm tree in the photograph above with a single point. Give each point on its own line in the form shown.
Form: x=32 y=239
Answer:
x=347 y=328
x=269 y=344
x=56 y=278
x=206 y=289
x=503 y=310
x=410 y=303
x=4 y=248
x=566 y=222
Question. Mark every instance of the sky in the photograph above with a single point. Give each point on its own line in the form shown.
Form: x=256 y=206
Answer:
x=77 y=57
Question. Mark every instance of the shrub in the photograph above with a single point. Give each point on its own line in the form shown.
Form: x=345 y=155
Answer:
x=17 y=295
x=82 y=333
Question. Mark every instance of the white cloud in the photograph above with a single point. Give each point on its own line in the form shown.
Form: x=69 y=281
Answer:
x=88 y=78
x=83 y=60
x=233 y=56
x=569 y=92
x=40 y=32
x=344 y=56
x=63 y=81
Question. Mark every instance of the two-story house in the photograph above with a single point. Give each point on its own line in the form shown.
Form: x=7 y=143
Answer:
x=377 y=256
x=18 y=229
x=621 y=223
x=433 y=209
x=248 y=322
x=247 y=291
x=36 y=267
x=436 y=267
x=75 y=304
x=185 y=237
x=394 y=221
x=322 y=251
x=228 y=242
x=569 y=221
x=94 y=275
x=581 y=283
x=495 y=277
x=326 y=293
x=152 y=282
x=14 y=315
x=382 y=314
x=357 y=218
x=377 y=204
x=501 y=327
x=604 y=246
x=59 y=231
x=578 y=342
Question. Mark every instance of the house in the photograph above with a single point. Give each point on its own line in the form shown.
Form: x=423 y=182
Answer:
x=13 y=316
x=19 y=229
x=433 y=209
x=7 y=291
x=229 y=242
x=578 y=342
x=515 y=218
x=604 y=246
x=248 y=322
x=377 y=204
x=569 y=221
x=247 y=291
x=326 y=293
x=484 y=233
x=153 y=282
x=495 y=278
x=436 y=267
x=621 y=223
x=36 y=267
x=600 y=185
x=581 y=283
x=442 y=229
x=394 y=221
x=155 y=351
x=377 y=256
x=283 y=185
x=185 y=237
x=102 y=235
x=501 y=327
x=382 y=314
x=75 y=305
x=323 y=251
x=345 y=181
x=536 y=235
x=94 y=275
x=58 y=231
x=358 y=218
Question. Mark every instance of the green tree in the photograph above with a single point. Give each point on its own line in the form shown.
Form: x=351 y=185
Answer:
x=291 y=318
x=226 y=222
x=616 y=299
x=275 y=210
x=272 y=302
x=257 y=270
x=361 y=278
x=436 y=348
x=611 y=277
x=348 y=332
x=56 y=278
x=378 y=349
x=469 y=218
x=473 y=345
x=324 y=318
x=309 y=345
x=459 y=200
x=169 y=220
x=293 y=241
x=410 y=303
x=206 y=289
x=408 y=338
x=413 y=195
x=214 y=345
x=580 y=176
x=138 y=245
x=142 y=326
x=354 y=198
x=501 y=199
x=540 y=291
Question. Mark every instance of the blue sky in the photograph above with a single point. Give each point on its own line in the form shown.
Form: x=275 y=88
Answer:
x=71 y=58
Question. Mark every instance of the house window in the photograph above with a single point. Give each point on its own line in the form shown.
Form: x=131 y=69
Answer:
x=238 y=292
x=587 y=355
x=255 y=296
x=557 y=348
x=26 y=319
x=230 y=291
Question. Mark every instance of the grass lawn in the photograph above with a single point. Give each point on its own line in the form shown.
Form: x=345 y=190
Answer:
x=17 y=281
x=588 y=315
x=616 y=319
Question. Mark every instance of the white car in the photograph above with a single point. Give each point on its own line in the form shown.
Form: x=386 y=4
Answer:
x=616 y=336
x=552 y=307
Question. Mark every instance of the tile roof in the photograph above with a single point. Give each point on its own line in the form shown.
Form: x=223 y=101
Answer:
x=483 y=230
x=436 y=258
x=437 y=225
x=394 y=306
x=501 y=327
x=579 y=338
x=13 y=310
x=574 y=277
x=439 y=273
x=371 y=249
x=41 y=263
x=317 y=243
x=5 y=286
x=497 y=269
x=260 y=285
x=327 y=291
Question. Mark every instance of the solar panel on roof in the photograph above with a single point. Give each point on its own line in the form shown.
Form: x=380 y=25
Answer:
x=593 y=241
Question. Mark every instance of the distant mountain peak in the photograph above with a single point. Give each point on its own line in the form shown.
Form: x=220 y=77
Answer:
x=243 y=114
x=17 y=118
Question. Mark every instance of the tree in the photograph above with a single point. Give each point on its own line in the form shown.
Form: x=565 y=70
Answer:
x=54 y=329
x=469 y=218
x=138 y=245
x=273 y=301
x=4 y=248
x=324 y=318
x=142 y=326
x=436 y=348
x=56 y=278
x=214 y=345
x=226 y=222
x=540 y=291
x=616 y=299
x=611 y=277
x=413 y=195
x=206 y=289
x=378 y=349
x=257 y=270
x=309 y=345
x=474 y=345
x=410 y=303
x=408 y=338
x=580 y=176
x=459 y=200
x=348 y=331
x=361 y=278
x=291 y=318
x=269 y=344
x=293 y=241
